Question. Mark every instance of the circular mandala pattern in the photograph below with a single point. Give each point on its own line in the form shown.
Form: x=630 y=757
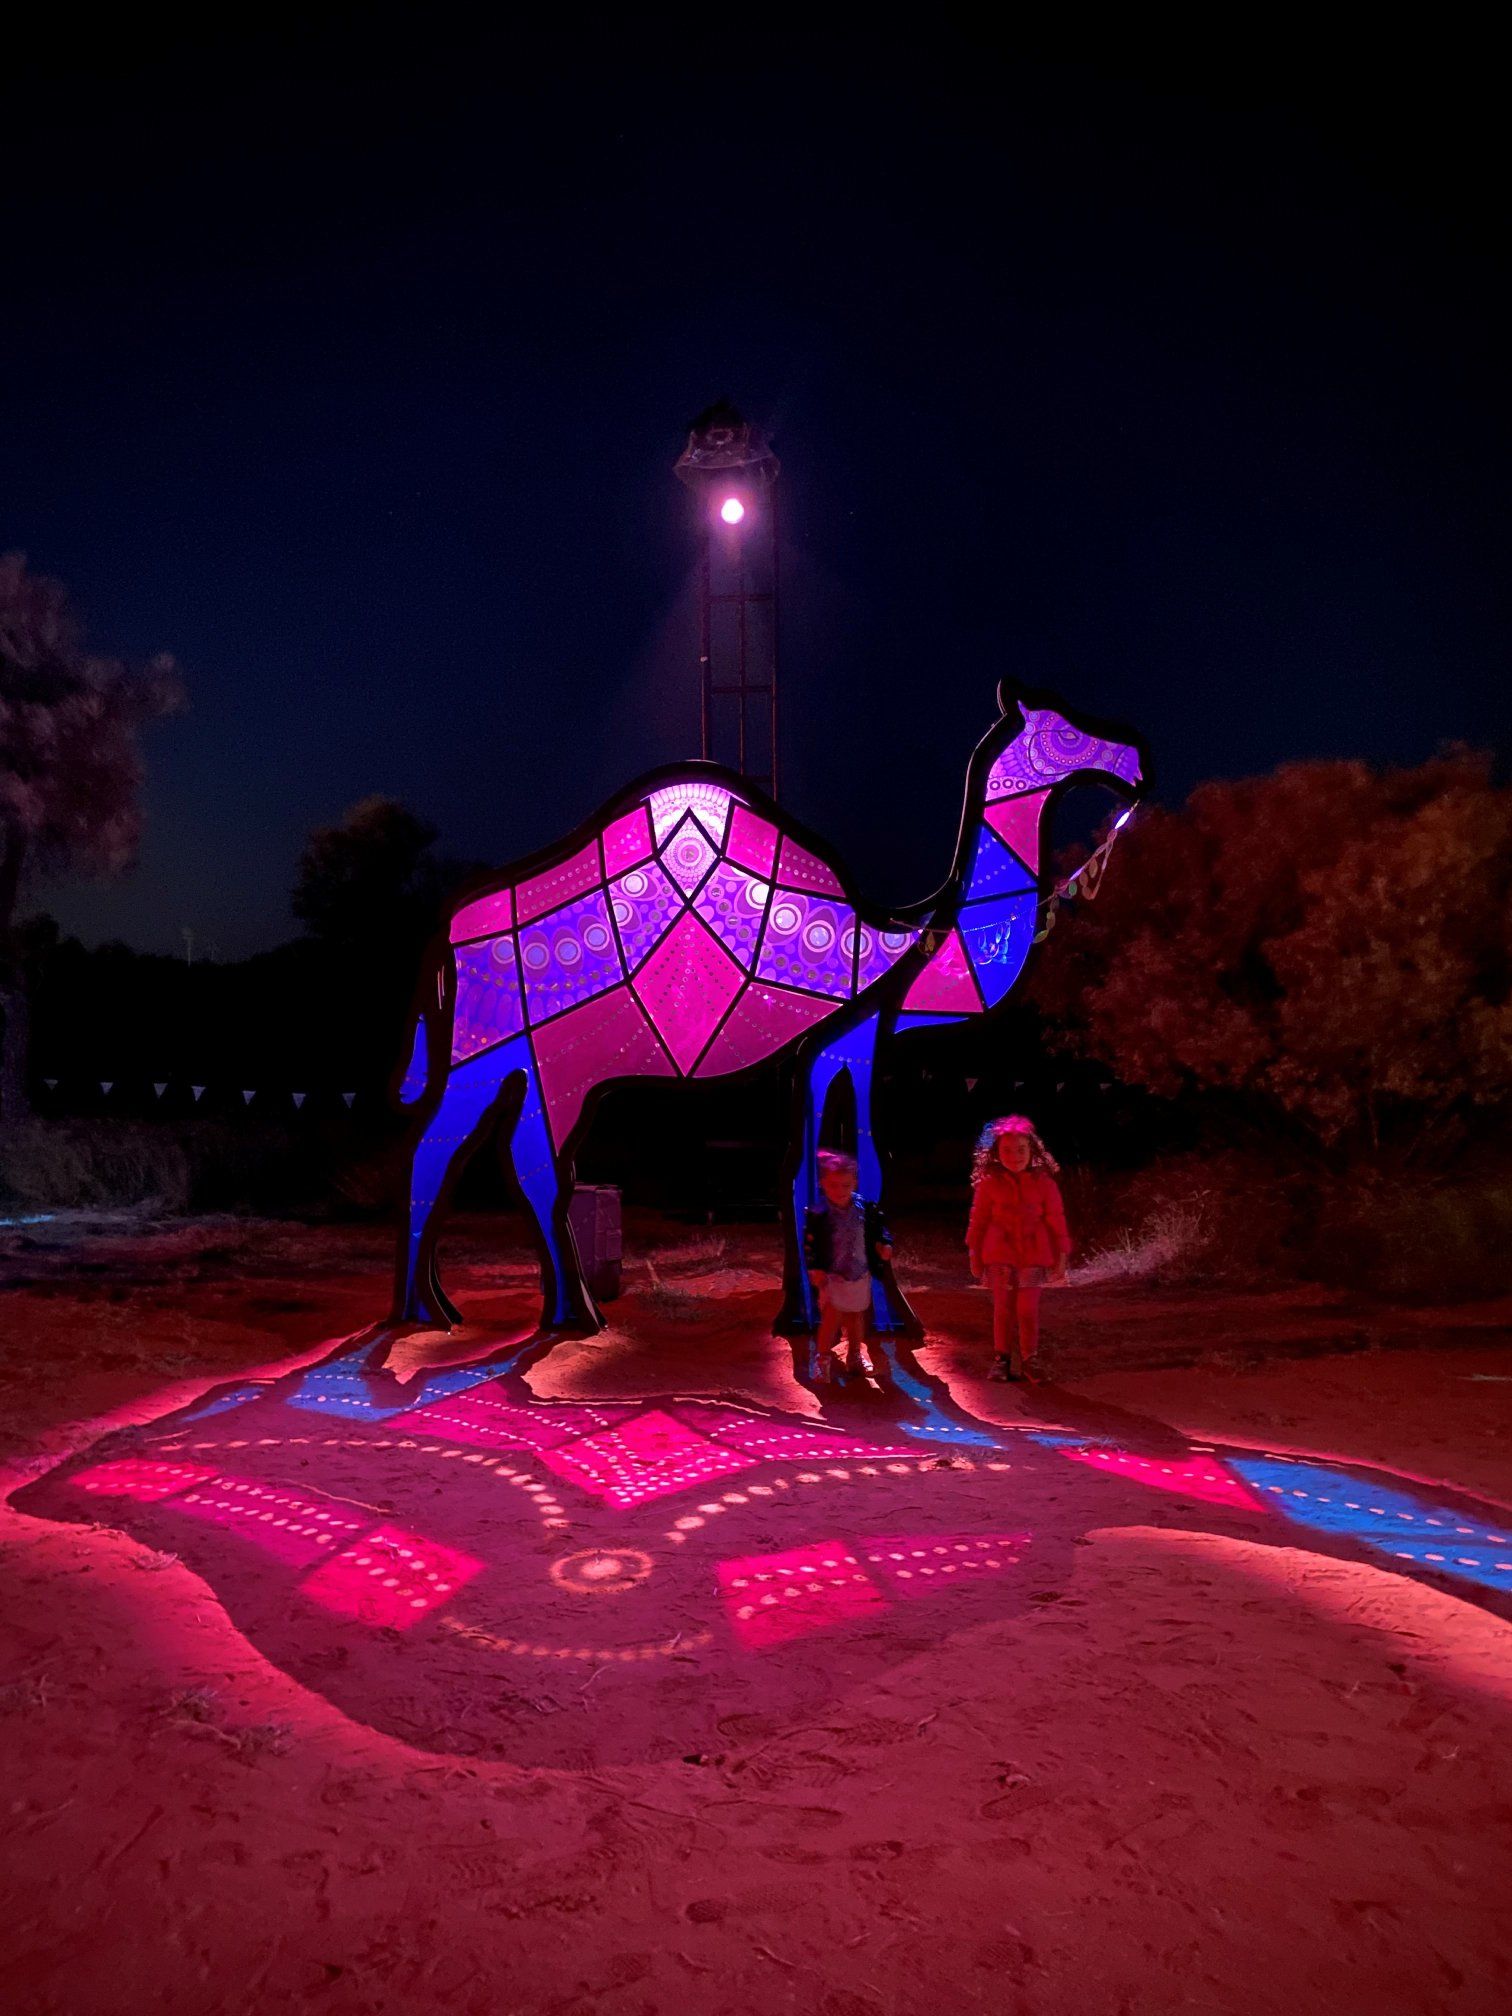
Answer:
x=819 y=936
x=536 y=955
x=567 y=949
x=786 y=918
x=596 y=938
x=634 y=884
x=601 y=1572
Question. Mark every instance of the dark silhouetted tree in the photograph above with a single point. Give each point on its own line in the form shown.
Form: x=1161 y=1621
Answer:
x=371 y=881
x=70 y=770
x=1331 y=942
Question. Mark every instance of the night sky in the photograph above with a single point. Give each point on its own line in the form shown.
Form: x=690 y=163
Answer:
x=351 y=370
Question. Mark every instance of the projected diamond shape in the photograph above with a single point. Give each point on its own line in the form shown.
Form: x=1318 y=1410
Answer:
x=650 y=1457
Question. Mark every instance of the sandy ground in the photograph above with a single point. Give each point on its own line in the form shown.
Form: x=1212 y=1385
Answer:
x=1161 y=1733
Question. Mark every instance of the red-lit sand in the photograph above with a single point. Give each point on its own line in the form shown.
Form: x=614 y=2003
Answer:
x=1207 y=1775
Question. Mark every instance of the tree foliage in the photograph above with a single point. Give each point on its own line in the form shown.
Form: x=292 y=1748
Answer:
x=372 y=880
x=70 y=765
x=1333 y=941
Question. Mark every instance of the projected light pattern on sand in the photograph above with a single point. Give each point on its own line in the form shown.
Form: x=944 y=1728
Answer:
x=690 y=1539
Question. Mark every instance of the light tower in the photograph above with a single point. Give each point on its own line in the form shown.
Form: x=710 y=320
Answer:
x=732 y=475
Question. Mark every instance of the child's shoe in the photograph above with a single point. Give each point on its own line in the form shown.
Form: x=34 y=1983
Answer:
x=1002 y=1371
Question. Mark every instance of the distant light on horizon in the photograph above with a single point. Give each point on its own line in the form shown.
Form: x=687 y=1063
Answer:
x=732 y=510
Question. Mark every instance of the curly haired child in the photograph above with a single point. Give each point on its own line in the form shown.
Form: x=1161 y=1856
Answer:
x=1017 y=1237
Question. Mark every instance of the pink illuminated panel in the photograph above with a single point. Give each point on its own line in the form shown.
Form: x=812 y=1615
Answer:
x=945 y=985
x=685 y=987
x=134 y=1477
x=391 y=1578
x=760 y=1023
x=802 y=870
x=569 y=878
x=649 y=1457
x=771 y=1599
x=627 y=842
x=1202 y=1477
x=752 y=842
x=489 y=914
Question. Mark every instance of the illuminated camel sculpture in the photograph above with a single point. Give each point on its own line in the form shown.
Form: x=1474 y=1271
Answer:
x=693 y=929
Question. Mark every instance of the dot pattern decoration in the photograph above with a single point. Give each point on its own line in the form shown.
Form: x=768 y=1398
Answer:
x=709 y=804
x=489 y=1007
x=140 y=1478
x=644 y=903
x=809 y=942
x=688 y=855
x=877 y=952
x=1051 y=748
x=568 y=957
x=733 y=904
x=390 y=1577
x=649 y=1457
x=1200 y=1477
x=293 y=1528
x=685 y=987
x=1430 y=1537
x=770 y=1599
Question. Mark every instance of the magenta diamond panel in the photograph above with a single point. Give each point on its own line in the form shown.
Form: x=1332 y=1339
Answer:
x=688 y=856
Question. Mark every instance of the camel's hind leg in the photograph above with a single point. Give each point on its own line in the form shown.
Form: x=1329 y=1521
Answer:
x=467 y=1105
x=545 y=1184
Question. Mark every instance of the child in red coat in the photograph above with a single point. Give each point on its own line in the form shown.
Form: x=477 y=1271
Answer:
x=1017 y=1237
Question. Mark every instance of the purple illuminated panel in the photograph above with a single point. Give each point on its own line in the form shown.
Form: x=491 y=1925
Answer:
x=488 y=1009
x=569 y=957
x=807 y=944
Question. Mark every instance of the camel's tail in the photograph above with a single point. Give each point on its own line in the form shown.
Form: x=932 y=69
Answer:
x=433 y=1008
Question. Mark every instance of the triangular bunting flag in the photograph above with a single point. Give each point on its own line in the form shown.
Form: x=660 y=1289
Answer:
x=197 y=1090
x=106 y=1083
x=248 y=1097
x=299 y=1098
x=349 y=1097
x=159 y=1087
x=51 y=1084
x=971 y=1084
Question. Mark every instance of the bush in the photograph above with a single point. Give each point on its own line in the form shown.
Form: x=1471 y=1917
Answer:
x=74 y=1165
x=1241 y=1219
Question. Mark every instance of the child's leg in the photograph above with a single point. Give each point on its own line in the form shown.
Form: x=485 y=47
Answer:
x=825 y=1342
x=1002 y=1311
x=1027 y=1301
x=855 y=1337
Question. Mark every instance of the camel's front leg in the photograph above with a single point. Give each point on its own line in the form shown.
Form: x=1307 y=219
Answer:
x=818 y=1069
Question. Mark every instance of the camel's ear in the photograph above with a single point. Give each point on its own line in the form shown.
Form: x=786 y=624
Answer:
x=1009 y=702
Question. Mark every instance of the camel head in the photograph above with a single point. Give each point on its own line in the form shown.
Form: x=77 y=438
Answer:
x=1033 y=748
